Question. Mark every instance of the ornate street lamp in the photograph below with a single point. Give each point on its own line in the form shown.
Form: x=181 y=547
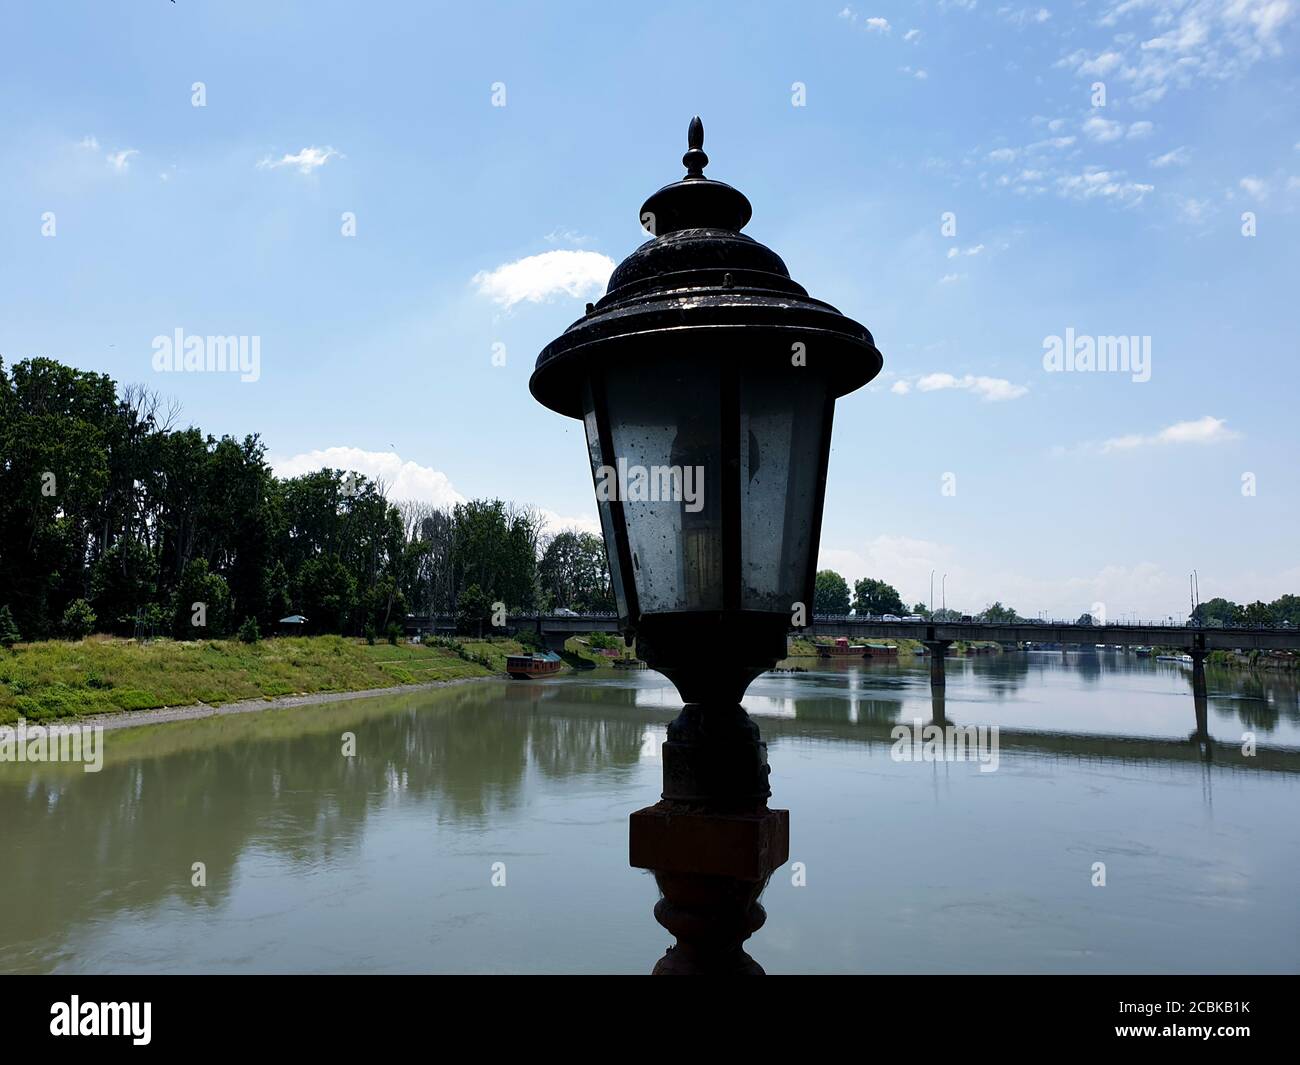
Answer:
x=706 y=380
x=705 y=360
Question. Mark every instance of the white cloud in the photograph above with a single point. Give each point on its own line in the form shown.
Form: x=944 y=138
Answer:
x=556 y=523
x=1193 y=210
x=1255 y=188
x=1103 y=130
x=1092 y=66
x=1025 y=16
x=1095 y=183
x=900 y=388
x=1056 y=143
x=1177 y=157
x=402 y=479
x=912 y=35
x=1137 y=130
x=948 y=279
x=877 y=25
x=992 y=389
x=89 y=142
x=539 y=277
x=305 y=161
x=1207 y=430
x=121 y=160
x=1182 y=43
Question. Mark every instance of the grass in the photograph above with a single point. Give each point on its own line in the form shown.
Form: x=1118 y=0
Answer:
x=57 y=679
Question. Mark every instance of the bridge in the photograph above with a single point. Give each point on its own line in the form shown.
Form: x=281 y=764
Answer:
x=556 y=628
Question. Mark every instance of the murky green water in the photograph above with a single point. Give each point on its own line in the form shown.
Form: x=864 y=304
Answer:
x=384 y=862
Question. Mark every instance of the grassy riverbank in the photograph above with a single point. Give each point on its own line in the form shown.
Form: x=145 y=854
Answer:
x=58 y=679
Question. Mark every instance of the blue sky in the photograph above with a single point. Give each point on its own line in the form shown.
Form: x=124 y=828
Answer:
x=479 y=225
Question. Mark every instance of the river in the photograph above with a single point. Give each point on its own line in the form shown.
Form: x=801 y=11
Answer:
x=483 y=828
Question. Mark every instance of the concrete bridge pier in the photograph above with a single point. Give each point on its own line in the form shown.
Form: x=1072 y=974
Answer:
x=938 y=715
x=936 y=650
x=1198 y=670
x=1200 y=699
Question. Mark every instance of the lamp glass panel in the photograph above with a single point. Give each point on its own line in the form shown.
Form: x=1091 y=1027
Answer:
x=664 y=422
x=782 y=419
x=603 y=505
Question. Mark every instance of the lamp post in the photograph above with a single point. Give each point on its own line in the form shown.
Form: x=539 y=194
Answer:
x=706 y=380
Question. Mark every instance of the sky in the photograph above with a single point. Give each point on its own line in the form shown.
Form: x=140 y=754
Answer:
x=403 y=203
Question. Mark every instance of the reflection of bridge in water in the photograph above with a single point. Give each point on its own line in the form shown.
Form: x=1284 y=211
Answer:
x=937 y=637
x=871 y=721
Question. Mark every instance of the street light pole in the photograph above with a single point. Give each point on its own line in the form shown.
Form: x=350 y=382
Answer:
x=705 y=358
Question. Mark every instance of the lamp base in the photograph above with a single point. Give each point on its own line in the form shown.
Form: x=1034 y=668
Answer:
x=711 y=869
x=712 y=656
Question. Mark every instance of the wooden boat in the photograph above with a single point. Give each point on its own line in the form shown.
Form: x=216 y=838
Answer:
x=841 y=648
x=541 y=664
x=881 y=650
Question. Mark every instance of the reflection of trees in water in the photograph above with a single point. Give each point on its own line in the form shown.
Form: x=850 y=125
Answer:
x=1257 y=698
x=1087 y=664
x=822 y=708
x=567 y=746
x=1003 y=674
x=76 y=846
x=879 y=711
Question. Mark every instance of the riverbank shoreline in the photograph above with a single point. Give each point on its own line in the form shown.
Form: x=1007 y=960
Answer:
x=165 y=715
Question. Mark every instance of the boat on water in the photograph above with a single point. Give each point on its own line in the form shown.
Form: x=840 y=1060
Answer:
x=538 y=664
x=881 y=650
x=841 y=648
x=1173 y=658
x=1142 y=652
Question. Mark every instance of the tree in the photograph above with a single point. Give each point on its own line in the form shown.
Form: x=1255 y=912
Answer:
x=9 y=634
x=473 y=608
x=327 y=594
x=1085 y=619
x=876 y=597
x=1258 y=613
x=202 y=604
x=78 y=620
x=999 y=614
x=573 y=573
x=1217 y=613
x=922 y=610
x=1286 y=608
x=830 y=593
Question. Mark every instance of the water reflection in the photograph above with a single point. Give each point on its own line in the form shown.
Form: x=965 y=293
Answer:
x=319 y=862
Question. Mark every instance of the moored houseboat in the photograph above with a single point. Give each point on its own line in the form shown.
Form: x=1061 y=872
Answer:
x=841 y=648
x=881 y=650
x=539 y=664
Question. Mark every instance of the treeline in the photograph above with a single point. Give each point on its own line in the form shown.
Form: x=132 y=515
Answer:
x=114 y=519
x=870 y=596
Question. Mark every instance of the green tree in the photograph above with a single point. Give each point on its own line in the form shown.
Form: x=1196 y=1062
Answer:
x=573 y=573
x=78 y=620
x=997 y=613
x=1217 y=612
x=202 y=604
x=473 y=609
x=1258 y=613
x=830 y=593
x=876 y=597
x=1286 y=608
x=9 y=634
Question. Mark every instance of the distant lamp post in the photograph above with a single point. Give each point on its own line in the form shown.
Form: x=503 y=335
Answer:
x=706 y=381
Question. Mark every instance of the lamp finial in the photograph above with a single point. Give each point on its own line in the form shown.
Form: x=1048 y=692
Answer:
x=695 y=160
